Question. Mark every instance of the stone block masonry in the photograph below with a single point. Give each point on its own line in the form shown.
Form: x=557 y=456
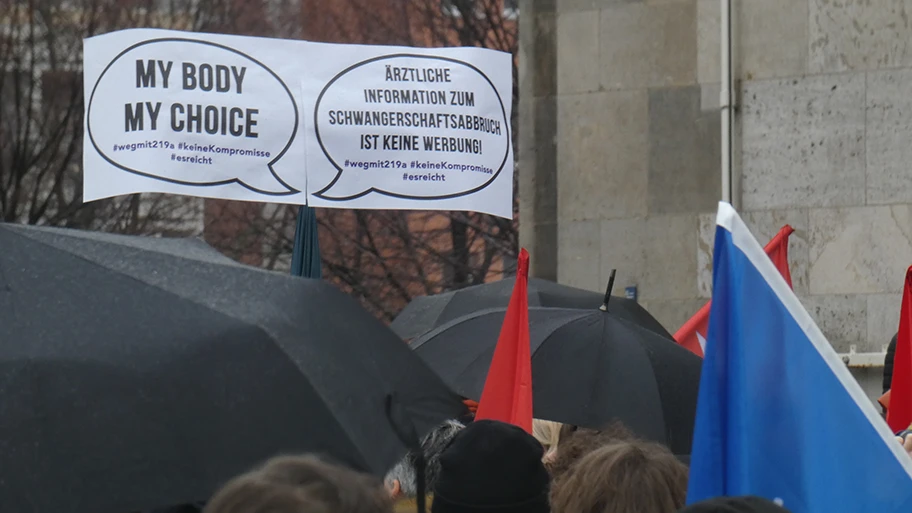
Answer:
x=621 y=166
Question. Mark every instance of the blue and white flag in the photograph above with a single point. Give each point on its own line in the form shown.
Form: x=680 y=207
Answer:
x=779 y=415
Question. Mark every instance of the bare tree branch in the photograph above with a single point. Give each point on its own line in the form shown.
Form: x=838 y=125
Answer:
x=41 y=116
x=385 y=258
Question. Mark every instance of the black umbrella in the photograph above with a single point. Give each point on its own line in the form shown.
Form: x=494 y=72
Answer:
x=589 y=368
x=425 y=313
x=136 y=373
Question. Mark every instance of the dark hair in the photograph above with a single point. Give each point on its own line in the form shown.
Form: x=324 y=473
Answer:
x=301 y=484
x=622 y=477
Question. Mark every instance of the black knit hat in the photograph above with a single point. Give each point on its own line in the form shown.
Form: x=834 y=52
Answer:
x=747 y=504
x=492 y=466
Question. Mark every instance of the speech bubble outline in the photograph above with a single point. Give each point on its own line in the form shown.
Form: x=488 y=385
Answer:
x=320 y=193
x=290 y=190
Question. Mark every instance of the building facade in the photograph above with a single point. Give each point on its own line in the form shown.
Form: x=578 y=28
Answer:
x=620 y=151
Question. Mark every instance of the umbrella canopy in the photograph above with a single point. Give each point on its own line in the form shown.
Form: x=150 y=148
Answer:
x=589 y=368
x=136 y=373
x=425 y=313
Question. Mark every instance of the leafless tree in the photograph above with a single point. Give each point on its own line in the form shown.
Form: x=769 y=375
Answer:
x=41 y=106
x=385 y=258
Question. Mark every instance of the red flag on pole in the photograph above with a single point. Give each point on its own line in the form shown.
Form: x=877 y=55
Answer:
x=899 y=412
x=507 y=394
x=692 y=334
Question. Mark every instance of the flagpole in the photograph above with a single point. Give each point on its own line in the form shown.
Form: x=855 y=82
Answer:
x=305 y=254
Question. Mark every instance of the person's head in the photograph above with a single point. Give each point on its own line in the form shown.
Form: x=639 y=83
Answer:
x=492 y=467
x=548 y=434
x=747 y=504
x=622 y=477
x=300 y=484
x=401 y=480
x=579 y=442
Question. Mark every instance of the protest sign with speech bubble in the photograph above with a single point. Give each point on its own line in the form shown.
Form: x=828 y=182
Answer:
x=195 y=114
x=409 y=128
x=333 y=125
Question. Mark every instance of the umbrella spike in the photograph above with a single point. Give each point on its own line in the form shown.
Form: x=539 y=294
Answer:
x=604 y=306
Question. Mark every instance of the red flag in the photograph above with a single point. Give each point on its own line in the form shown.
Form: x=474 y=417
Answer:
x=899 y=414
x=507 y=394
x=692 y=334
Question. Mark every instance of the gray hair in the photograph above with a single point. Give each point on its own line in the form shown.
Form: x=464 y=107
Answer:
x=432 y=446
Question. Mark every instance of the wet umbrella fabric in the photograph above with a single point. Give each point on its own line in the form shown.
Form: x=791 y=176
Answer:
x=134 y=376
x=589 y=368
x=425 y=313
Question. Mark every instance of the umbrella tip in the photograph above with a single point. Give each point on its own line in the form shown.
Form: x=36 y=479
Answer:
x=604 y=306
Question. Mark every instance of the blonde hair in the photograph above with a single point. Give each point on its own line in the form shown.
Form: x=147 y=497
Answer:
x=547 y=432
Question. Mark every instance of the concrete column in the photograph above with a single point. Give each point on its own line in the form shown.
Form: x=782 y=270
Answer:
x=537 y=135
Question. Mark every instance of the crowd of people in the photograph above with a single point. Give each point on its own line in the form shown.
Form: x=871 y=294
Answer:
x=488 y=466
x=484 y=466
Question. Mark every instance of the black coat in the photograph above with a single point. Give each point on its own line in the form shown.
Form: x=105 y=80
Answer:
x=888 y=365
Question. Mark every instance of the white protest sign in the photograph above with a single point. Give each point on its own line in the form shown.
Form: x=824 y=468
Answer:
x=342 y=126
x=196 y=114
x=409 y=128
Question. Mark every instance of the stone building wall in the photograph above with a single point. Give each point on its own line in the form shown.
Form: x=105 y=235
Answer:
x=620 y=148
